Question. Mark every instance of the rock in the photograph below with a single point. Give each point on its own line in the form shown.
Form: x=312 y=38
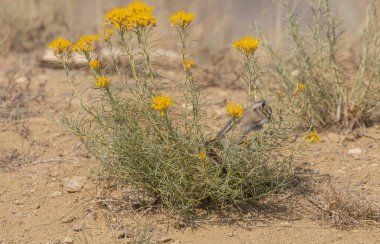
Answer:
x=355 y=151
x=165 y=240
x=77 y=227
x=68 y=240
x=231 y=234
x=75 y=184
x=56 y=194
x=21 y=79
x=48 y=59
x=17 y=202
x=68 y=219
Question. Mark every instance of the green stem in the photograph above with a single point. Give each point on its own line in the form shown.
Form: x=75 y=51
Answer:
x=115 y=61
x=142 y=38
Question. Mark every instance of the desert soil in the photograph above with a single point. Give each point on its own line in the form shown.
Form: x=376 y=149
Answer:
x=38 y=158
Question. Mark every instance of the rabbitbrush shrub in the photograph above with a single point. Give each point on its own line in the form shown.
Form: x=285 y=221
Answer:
x=335 y=95
x=153 y=140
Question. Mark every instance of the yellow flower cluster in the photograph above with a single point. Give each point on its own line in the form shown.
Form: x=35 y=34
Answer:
x=181 y=19
x=188 y=64
x=60 y=46
x=312 y=137
x=299 y=89
x=141 y=14
x=103 y=82
x=235 y=111
x=107 y=34
x=86 y=43
x=202 y=156
x=247 y=44
x=161 y=103
x=118 y=18
x=134 y=15
x=94 y=64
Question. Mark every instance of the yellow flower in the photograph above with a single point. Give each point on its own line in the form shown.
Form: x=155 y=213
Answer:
x=60 y=46
x=312 y=137
x=299 y=89
x=247 y=44
x=107 y=34
x=234 y=110
x=161 y=103
x=141 y=14
x=188 y=64
x=181 y=19
x=202 y=156
x=134 y=15
x=118 y=18
x=103 y=82
x=86 y=43
x=94 y=64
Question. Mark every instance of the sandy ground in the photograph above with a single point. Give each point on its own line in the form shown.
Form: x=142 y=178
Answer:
x=38 y=158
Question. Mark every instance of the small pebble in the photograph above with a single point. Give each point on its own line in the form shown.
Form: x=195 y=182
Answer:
x=77 y=228
x=75 y=184
x=355 y=151
x=68 y=219
x=165 y=240
x=68 y=240
x=17 y=202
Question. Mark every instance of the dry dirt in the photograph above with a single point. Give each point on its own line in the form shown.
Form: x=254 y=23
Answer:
x=38 y=157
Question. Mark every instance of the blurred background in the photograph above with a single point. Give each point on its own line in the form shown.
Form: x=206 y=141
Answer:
x=28 y=25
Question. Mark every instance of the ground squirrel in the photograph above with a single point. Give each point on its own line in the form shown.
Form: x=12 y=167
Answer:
x=253 y=119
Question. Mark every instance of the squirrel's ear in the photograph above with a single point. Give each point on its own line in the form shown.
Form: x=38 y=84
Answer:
x=263 y=102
